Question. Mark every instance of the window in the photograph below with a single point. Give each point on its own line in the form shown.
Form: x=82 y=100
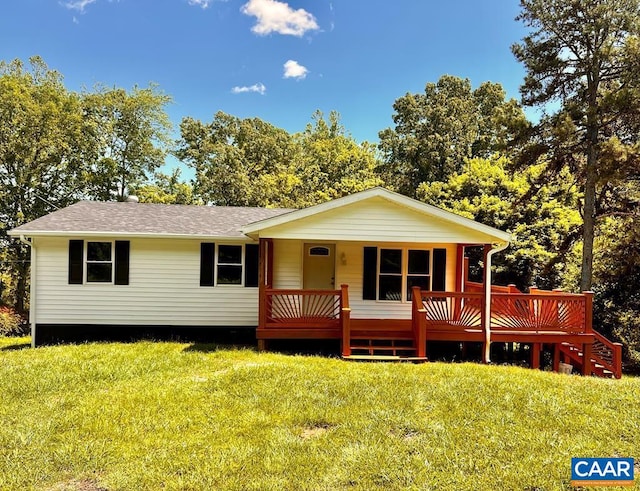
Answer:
x=99 y=262
x=105 y=262
x=229 y=265
x=418 y=271
x=390 y=277
x=390 y=274
x=319 y=251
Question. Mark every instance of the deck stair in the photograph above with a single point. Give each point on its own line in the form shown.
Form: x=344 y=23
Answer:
x=599 y=367
x=382 y=345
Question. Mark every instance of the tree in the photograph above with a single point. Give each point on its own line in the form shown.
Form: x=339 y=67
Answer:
x=240 y=162
x=435 y=131
x=584 y=54
x=43 y=147
x=332 y=163
x=131 y=131
x=167 y=189
x=617 y=287
x=249 y=162
x=486 y=191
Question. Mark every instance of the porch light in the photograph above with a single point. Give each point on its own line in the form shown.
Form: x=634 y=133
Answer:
x=343 y=259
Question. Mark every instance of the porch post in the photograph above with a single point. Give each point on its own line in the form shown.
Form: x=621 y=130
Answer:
x=345 y=320
x=459 y=280
x=535 y=355
x=460 y=267
x=486 y=305
x=269 y=243
x=262 y=296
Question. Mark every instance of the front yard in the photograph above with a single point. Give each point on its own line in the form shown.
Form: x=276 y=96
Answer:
x=151 y=416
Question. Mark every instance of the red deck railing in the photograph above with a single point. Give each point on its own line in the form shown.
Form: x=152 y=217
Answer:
x=302 y=308
x=538 y=317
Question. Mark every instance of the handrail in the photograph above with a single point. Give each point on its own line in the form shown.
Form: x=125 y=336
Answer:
x=608 y=354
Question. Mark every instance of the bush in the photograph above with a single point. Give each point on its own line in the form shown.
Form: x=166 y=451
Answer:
x=12 y=323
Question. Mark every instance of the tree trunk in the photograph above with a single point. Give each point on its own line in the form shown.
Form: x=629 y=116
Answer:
x=589 y=212
x=589 y=221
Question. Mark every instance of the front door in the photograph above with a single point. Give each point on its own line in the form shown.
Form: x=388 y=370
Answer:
x=319 y=267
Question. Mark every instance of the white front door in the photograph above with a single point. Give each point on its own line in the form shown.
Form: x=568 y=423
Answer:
x=319 y=267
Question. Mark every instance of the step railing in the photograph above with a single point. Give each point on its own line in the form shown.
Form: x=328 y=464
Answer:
x=605 y=354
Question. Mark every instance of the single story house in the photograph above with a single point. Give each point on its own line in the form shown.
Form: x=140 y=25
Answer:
x=383 y=273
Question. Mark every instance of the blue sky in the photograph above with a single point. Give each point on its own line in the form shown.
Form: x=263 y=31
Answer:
x=276 y=60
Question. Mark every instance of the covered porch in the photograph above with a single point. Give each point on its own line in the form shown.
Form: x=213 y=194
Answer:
x=559 y=321
x=386 y=276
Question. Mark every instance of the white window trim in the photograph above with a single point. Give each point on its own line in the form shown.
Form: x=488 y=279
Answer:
x=86 y=262
x=242 y=266
x=404 y=272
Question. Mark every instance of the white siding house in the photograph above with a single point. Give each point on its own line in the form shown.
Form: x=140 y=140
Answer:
x=130 y=264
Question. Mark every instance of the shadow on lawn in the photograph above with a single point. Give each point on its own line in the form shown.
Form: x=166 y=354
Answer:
x=212 y=347
x=16 y=347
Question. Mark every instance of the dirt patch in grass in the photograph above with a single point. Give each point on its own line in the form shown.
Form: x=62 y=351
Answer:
x=314 y=431
x=78 y=485
x=405 y=433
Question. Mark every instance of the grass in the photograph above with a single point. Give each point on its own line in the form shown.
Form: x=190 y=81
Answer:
x=169 y=416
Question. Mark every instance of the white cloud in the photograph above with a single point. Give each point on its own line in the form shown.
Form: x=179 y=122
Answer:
x=259 y=88
x=293 y=69
x=200 y=3
x=78 y=5
x=275 y=16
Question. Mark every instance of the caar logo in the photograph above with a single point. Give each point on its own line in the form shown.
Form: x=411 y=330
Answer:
x=601 y=472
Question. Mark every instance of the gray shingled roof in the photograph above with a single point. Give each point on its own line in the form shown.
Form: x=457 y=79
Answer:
x=116 y=218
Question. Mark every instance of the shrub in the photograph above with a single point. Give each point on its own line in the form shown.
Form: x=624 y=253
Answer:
x=12 y=323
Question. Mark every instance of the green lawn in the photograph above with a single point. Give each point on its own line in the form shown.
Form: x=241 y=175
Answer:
x=168 y=416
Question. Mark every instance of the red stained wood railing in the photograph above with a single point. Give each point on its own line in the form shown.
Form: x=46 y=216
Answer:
x=452 y=310
x=539 y=312
x=302 y=308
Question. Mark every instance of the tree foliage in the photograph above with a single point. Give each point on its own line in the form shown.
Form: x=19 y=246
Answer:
x=249 y=162
x=166 y=189
x=240 y=162
x=617 y=277
x=331 y=163
x=42 y=153
x=436 y=131
x=584 y=54
x=488 y=192
x=130 y=131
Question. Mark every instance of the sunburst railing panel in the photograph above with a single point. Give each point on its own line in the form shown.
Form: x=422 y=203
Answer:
x=302 y=306
x=453 y=310
x=527 y=312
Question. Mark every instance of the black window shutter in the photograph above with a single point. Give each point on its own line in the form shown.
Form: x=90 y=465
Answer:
x=438 y=281
x=207 y=253
x=76 y=249
x=122 y=262
x=369 y=273
x=251 y=268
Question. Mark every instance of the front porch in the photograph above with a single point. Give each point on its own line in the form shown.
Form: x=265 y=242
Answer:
x=557 y=320
x=404 y=286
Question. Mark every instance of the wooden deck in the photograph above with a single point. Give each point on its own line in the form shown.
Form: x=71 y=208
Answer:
x=561 y=321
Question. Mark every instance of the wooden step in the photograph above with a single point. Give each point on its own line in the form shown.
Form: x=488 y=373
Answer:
x=382 y=335
x=382 y=348
x=389 y=358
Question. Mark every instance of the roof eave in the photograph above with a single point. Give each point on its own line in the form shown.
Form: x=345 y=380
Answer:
x=129 y=235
